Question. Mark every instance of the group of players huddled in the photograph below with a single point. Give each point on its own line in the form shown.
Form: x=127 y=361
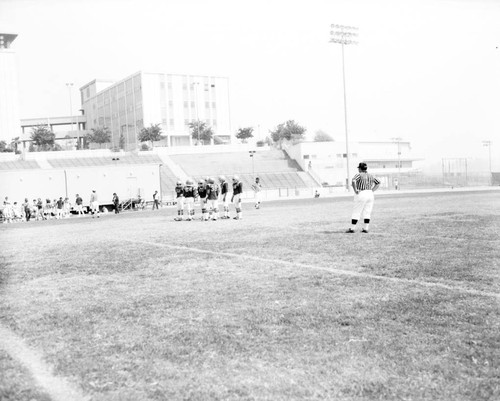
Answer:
x=209 y=193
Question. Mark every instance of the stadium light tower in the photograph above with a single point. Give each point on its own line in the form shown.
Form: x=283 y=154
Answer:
x=488 y=145
x=344 y=35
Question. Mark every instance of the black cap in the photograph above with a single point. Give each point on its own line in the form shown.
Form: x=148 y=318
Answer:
x=362 y=166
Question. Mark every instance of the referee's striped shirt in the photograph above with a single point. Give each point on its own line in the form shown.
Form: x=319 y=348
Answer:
x=365 y=181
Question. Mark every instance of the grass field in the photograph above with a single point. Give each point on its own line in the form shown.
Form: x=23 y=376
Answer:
x=282 y=305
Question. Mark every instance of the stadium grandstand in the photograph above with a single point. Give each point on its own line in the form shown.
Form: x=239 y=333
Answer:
x=138 y=174
x=274 y=168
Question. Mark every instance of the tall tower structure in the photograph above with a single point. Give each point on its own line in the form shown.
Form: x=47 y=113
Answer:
x=10 y=124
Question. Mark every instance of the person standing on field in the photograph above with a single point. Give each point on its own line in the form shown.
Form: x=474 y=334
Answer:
x=79 y=205
x=156 y=202
x=257 y=188
x=236 y=198
x=116 y=203
x=364 y=185
x=94 y=204
x=224 y=190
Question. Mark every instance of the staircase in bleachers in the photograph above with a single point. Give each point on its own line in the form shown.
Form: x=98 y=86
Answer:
x=168 y=180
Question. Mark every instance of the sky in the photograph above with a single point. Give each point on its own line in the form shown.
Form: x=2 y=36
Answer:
x=425 y=71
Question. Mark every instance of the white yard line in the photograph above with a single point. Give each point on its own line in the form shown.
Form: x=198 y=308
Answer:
x=57 y=388
x=332 y=270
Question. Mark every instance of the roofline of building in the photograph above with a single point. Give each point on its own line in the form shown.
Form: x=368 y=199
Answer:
x=141 y=72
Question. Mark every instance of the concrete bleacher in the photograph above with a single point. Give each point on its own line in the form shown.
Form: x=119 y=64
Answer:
x=19 y=165
x=274 y=168
x=114 y=160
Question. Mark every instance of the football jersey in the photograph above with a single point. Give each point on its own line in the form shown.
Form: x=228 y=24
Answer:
x=237 y=188
x=224 y=188
x=365 y=181
x=212 y=191
x=202 y=192
x=190 y=192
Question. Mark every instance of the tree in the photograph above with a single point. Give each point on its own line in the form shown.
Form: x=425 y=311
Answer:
x=99 y=135
x=322 y=136
x=201 y=132
x=151 y=134
x=289 y=131
x=43 y=138
x=4 y=147
x=244 y=133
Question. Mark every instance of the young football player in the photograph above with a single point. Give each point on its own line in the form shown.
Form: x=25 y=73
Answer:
x=257 y=188
x=190 y=194
x=213 y=199
x=179 y=193
x=224 y=191
x=236 y=198
x=202 y=196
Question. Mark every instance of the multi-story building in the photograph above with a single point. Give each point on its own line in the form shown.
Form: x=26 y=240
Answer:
x=9 y=95
x=143 y=99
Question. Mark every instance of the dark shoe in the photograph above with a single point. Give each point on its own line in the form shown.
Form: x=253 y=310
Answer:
x=364 y=231
x=350 y=231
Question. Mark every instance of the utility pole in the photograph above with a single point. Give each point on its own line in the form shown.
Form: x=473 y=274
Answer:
x=488 y=145
x=344 y=35
x=252 y=153
x=70 y=85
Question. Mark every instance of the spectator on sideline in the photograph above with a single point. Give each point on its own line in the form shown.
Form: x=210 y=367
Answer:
x=116 y=203
x=27 y=209
x=94 y=204
x=59 y=208
x=155 y=200
x=79 y=204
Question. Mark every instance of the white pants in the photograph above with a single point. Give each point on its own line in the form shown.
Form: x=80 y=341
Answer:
x=213 y=204
x=237 y=201
x=94 y=206
x=363 y=205
x=189 y=204
x=180 y=203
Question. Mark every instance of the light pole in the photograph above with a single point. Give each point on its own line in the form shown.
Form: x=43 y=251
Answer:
x=70 y=85
x=488 y=144
x=398 y=141
x=252 y=153
x=345 y=35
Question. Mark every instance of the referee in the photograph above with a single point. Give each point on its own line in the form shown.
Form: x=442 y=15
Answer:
x=364 y=186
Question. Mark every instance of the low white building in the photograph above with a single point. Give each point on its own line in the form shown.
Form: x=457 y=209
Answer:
x=327 y=161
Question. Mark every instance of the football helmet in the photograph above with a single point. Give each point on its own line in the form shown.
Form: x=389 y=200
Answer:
x=236 y=178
